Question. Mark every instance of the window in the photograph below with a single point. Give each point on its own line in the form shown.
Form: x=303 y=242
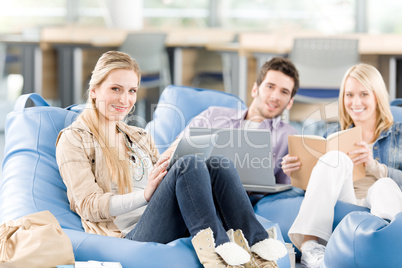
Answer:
x=179 y=13
x=21 y=15
x=384 y=16
x=330 y=16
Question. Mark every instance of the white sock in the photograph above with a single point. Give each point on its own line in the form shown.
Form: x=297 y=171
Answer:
x=232 y=253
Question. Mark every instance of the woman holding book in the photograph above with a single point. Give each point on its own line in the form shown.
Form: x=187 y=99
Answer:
x=364 y=102
x=120 y=187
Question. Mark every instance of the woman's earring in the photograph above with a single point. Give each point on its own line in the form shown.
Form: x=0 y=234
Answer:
x=132 y=110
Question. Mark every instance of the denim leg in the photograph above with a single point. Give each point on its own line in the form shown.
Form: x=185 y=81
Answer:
x=231 y=200
x=182 y=201
x=194 y=195
x=162 y=221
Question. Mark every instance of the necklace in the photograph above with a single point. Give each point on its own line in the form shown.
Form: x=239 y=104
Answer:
x=134 y=155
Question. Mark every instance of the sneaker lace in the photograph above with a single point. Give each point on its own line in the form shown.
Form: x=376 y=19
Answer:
x=220 y=263
x=262 y=263
x=318 y=251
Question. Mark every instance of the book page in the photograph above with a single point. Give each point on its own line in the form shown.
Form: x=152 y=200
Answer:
x=345 y=141
x=309 y=151
x=335 y=134
x=310 y=148
x=314 y=137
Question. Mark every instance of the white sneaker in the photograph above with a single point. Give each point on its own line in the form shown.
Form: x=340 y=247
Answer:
x=312 y=254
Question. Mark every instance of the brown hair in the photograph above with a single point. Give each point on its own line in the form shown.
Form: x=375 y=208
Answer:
x=282 y=65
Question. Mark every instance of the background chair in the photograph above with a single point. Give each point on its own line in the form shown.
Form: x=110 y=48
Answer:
x=149 y=50
x=322 y=63
x=230 y=65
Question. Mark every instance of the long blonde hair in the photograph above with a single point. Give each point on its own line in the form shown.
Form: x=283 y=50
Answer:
x=119 y=168
x=372 y=80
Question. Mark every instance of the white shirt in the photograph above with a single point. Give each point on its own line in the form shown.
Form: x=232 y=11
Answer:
x=127 y=221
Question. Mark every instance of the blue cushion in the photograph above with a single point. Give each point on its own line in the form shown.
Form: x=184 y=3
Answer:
x=364 y=240
x=397 y=113
x=178 y=105
x=31 y=183
x=272 y=207
x=318 y=93
x=284 y=207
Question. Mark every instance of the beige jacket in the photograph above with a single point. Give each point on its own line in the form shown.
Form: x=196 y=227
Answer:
x=84 y=171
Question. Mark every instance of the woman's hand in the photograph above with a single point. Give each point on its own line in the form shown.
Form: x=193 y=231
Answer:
x=290 y=164
x=362 y=155
x=155 y=177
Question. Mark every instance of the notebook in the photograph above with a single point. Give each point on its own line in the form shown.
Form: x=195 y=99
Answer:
x=251 y=152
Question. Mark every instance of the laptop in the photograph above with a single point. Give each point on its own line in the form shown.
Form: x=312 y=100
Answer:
x=200 y=145
x=251 y=153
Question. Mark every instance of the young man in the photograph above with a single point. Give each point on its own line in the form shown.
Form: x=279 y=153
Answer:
x=273 y=92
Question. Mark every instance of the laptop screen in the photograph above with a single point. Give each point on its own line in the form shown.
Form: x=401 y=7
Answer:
x=249 y=149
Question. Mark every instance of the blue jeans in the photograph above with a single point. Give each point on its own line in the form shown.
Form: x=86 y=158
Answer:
x=195 y=195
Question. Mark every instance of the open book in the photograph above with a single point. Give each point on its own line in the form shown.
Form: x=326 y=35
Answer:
x=310 y=148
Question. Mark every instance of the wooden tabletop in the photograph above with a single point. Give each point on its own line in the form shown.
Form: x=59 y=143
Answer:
x=212 y=39
x=107 y=37
x=369 y=44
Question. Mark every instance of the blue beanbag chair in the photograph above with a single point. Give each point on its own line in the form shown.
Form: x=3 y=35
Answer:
x=31 y=183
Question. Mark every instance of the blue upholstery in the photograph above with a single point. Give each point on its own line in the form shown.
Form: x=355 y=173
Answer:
x=178 y=105
x=365 y=240
x=359 y=238
x=284 y=207
x=396 y=102
x=320 y=94
x=31 y=183
x=396 y=109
